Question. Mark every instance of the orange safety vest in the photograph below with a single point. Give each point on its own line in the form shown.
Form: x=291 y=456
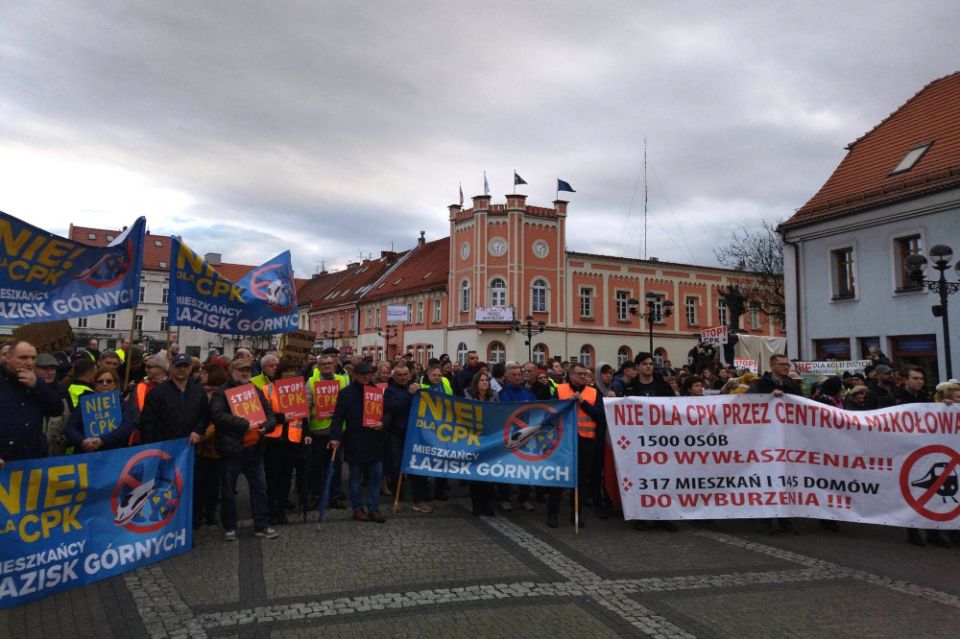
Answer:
x=294 y=428
x=586 y=427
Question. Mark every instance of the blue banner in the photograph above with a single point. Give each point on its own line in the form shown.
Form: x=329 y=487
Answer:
x=70 y=521
x=511 y=442
x=46 y=277
x=102 y=413
x=264 y=302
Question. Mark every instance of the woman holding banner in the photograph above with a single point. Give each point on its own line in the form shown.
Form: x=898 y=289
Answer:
x=481 y=492
x=107 y=380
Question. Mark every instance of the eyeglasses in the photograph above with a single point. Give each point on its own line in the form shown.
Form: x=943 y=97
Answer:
x=105 y=382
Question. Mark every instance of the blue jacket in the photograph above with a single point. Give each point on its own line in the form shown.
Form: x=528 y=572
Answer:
x=23 y=410
x=511 y=393
x=397 y=401
x=117 y=438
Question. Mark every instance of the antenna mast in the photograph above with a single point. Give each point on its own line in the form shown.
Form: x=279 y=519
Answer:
x=644 y=198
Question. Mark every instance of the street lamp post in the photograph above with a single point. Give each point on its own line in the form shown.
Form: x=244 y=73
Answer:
x=386 y=333
x=528 y=328
x=332 y=335
x=657 y=308
x=941 y=254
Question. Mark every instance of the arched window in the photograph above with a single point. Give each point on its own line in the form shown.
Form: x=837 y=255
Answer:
x=498 y=292
x=538 y=299
x=586 y=355
x=624 y=354
x=462 y=351
x=540 y=354
x=496 y=353
x=465 y=296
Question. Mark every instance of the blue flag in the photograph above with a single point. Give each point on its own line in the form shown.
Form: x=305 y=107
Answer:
x=45 y=277
x=264 y=302
x=564 y=186
x=531 y=443
x=70 y=521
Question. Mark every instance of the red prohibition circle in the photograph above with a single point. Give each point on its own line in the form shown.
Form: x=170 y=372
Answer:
x=127 y=480
x=259 y=282
x=514 y=420
x=920 y=504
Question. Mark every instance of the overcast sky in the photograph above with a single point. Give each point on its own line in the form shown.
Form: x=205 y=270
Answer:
x=335 y=129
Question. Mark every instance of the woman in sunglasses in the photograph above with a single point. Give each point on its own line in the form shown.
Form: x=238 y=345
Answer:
x=106 y=381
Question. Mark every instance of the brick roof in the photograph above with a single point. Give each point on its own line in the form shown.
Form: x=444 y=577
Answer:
x=425 y=268
x=863 y=179
x=156 y=251
x=319 y=285
x=356 y=281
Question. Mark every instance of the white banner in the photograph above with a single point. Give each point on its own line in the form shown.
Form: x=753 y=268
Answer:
x=741 y=364
x=830 y=368
x=743 y=456
x=716 y=335
x=397 y=313
x=494 y=314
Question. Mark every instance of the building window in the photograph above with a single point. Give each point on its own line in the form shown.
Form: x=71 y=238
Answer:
x=465 y=296
x=419 y=312
x=138 y=325
x=586 y=301
x=341 y=323
x=539 y=300
x=165 y=296
x=903 y=248
x=911 y=158
x=843 y=280
x=111 y=320
x=81 y=322
x=436 y=310
x=354 y=320
x=429 y=352
x=462 y=351
x=164 y=325
x=143 y=294
x=586 y=355
x=754 y=317
x=657 y=309
x=498 y=292
x=690 y=308
x=496 y=353
x=621 y=305
x=410 y=312
x=721 y=312
x=838 y=349
x=624 y=355
x=540 y=354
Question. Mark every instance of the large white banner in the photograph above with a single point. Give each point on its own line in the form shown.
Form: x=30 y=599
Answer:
x=736 y=456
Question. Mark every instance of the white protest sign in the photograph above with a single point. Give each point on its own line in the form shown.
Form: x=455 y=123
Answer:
x=716 y=335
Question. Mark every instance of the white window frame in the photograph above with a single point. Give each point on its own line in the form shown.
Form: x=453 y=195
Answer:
x=539 y=354
x=420 y=312
x=462 y=350
x=498 y=294
x=722 y=312
x=497 y=352
x=465 y=296
x=544 y=291
x=586 y=301
x=620 y=301
x=586 y=355
x=690 y=304
x=437 y=310
x=111 y=320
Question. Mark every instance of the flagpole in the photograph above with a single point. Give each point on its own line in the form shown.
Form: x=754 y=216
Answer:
x=126 y=356
x=514 y=181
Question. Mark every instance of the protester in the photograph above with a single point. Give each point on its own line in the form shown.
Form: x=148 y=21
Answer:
x=175 y=408
x=397 y=402
x=320 y=436
x=268 y=371
x=25 y=400
x=107 y=380
x=482 y=493
x=206 y=489
x=514 y=390
x=156 y=367
x=282 y=446
x=53 y=427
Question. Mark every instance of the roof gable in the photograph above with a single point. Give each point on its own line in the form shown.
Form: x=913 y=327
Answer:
x=425 y=268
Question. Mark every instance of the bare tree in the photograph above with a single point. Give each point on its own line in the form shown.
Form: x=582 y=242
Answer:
x=759 y=253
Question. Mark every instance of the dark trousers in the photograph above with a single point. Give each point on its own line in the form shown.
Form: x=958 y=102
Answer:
x=206 y=488
x=419 y=485
x=318 y=469
x=279 y=458
x=588 y=480
x=250 y=464
x=504 y=491
x=482 y=494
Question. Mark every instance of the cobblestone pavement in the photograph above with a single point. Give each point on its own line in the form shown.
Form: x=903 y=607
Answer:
x=449 y=574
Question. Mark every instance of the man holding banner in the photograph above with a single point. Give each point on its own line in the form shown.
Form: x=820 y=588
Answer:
x=24 y=401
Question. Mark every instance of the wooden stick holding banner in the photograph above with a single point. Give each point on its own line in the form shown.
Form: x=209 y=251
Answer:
x=126 y=356
x=576 y=510
x=396 y=495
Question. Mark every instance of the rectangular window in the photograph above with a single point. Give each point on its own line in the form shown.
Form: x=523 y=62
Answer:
x=111 y=320
x=657 y=310
x=621 y=303
x=419 y=312
x=165 y=296
x=690 y=309
x=139 y=323
x=903 y=248
x=436 y=310
x=721 y=312
x=369 y=316
x=586 y=301
x=843 y=281
x=143 y=293
x=410 y=312
x=754 y=317
x=81 y=322
x=164 y=326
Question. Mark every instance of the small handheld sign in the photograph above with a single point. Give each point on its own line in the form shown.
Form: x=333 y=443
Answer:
x=101 y=413
x=325 y=397
x=244 y=402
x=292 y=394
x=372 y=406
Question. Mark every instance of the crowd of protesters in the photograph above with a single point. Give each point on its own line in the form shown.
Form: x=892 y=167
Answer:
x=169 y=395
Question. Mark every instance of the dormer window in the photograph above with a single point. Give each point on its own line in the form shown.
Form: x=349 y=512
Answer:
x=911 y=158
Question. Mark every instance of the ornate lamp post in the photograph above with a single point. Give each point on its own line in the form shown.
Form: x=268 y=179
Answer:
x=941 y=254
x=529 y=329
x=332 y=335
x=386 y=333
x=657 y=308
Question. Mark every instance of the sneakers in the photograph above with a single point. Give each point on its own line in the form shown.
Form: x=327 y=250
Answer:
x=230 y=535
x=527 y=506
x=506 y=506
x=376 y=517
x=266 y=533
x=422 y=507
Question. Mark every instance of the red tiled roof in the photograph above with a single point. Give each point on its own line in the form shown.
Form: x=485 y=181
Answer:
x=319 y=285
x=425 y=268
x=356 y=282
x=156 y=251
x=863 y=179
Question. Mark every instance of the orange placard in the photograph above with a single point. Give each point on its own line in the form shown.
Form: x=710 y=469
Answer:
x=325 y=397
x=372 y=406
x=244 y=402
x=292 y=397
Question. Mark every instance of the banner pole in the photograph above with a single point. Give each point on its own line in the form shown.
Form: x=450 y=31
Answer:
x=396 y=495
x=576 y=510
x=126 y=356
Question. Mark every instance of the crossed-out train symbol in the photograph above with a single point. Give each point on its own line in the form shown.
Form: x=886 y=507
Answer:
x=948 y=488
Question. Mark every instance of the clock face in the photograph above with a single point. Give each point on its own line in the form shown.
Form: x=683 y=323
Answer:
x=540 y=248
x=497 y=246
x=464 y=250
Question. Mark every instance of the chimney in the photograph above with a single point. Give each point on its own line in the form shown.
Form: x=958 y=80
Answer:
x=454 y=211
x=481 y=202
x=422 y=239
x=213 y=259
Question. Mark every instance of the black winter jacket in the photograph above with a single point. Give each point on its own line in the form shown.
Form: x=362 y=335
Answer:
x=360 y=445
x=229 y=429
x=169 y=413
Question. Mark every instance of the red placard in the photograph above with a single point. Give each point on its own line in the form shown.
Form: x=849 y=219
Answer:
x=325 y=397
x=244 y=402
x=372 y=406
x=292 y=396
